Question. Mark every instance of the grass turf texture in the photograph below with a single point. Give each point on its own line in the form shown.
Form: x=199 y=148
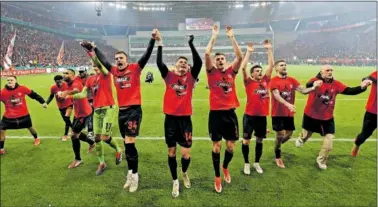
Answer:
x=38 y=176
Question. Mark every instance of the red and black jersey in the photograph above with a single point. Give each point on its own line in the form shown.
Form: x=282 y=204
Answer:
x=101 y=88
x=222 y=89
x=371 y=105
x=15 y=102
x=257 y=96
x=61 y=102
x=81 y=106
x=286 y=87
x=83 y=81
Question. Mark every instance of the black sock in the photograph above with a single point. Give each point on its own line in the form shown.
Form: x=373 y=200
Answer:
x=245 y=150
x=227 y=158
x=258 y=151
x=76 y=148
x=185 y=164
x=2 y=143
x=360 y=139
x=216 y=163
x=68 y=124
x=132 y=153
x=277 y=151
x=85 y=138
x=127 y=156
x=35 y=135
x=173 y=166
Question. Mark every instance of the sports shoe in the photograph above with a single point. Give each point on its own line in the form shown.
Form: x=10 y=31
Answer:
x=100 y=169
x=175 y=189
x=128 y=181
x=218 y=184
x=74 y=164
x=321 y=165
x=186 y=179
x=355 y=151
x=227 y=176
x=91 y=147
x=279 y=163
x=257 y=167
x=37 y=141
x=299 y=142
x=134 y=182
x=64 y=138
x=118 y=156
x=2 y=151
x=247 y=168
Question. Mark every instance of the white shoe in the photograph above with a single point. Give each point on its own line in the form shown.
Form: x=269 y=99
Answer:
x=128 y=180
x=175 y=189
x=321 y=165
x=247 y=168
x=299 y=142
x=186 y=179
x=134 y=183
x=257 y=168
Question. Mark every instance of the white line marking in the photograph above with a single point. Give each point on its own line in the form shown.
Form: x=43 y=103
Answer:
x=199 y=138
x=244 y=99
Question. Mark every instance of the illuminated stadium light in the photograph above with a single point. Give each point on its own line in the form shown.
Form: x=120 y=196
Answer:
x=239 y=6
x=123 y=7
x=111 y=4
x=254 y=5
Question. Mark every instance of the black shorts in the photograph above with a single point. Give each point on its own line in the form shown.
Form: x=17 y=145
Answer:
x=79 y=124
x=129 y=121
x=223 y=124
x=254 y=123
x=16 y=123
x=322 y=127
x=280 y=123
x=178 y=129
x=369 y=124
x=64 y=110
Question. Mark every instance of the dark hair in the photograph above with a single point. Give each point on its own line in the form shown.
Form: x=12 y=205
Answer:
x=72 y=70
x=219 y=53
x=278 y=61
x=122 y=52
x=182 y=57
x=58 y=77
x=13 y=76
x=255 y=66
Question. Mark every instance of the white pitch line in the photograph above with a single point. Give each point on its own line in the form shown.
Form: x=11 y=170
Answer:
x=243 y=99
x=197 y=138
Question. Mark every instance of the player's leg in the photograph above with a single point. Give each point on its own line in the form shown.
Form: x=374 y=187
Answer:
x=26 y=122
x=260 y=125
x=186 y=128
x=247 y=135
x=77 y=125
x=368 y=127
x=278 y=127
x=214 y=126
x=99 y=149
x=4 y=124
x=172 y=163
x=309 y=126
x=328 y=131
x=231 y=134
x=289 y=127
x=90 y=123
x=105 y=125
x=67 y=122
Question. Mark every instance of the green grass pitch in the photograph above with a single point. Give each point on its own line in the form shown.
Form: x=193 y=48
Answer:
x=38 y=176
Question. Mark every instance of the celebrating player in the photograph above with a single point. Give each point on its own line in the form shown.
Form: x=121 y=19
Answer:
x=318 y=114
x=283 y=88
x=65 y=105
x=127 y=82
x=370 y=118
x=16 y=114
x=178 y=109
x=223 y=121
x=82 y=111
x=257 y=108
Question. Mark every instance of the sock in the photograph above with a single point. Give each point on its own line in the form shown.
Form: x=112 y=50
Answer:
x=216 y=163
x=85 y=138
x=111 y=142
x=90 y=123
x=2 y=143
x=100 y=151
x=277 y=148
x=360 y=139
x=245 y=150
x=173 y=166
x=132 y=154
x=227 y=158
x=35 y=135
x=68 y=124
x=258 y=151
x=127 y=156
x=185 y=164
x=76 y=148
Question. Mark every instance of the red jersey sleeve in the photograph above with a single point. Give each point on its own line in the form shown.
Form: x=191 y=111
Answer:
x=52 y=89
x=273 y=85
x=26 y=90
x=340 y=87
x=295 y=83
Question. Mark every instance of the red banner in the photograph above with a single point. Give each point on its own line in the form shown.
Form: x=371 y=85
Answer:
x=21 y=72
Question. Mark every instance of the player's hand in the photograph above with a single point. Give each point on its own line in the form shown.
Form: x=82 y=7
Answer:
x=229 y=31
x=62 y=94
x=318 y=83
x=267 y=44
x=158 y=35
x=215 y=29
x=44 y=105
x=191 y=38
x=366 y=83
x=250 y=47
x=88 y=46
x=154 y=33
x=291 y=107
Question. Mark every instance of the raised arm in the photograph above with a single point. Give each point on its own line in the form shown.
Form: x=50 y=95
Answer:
x=90 y=47
x=277 y=96
x=358 y=89
x=159 y=58
x=269 y=47
x=244 y=64
x=197 y=62
x=305 y=90
x=238 y=53
x=37 y=97
x=208 y=59
x=146 y=55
